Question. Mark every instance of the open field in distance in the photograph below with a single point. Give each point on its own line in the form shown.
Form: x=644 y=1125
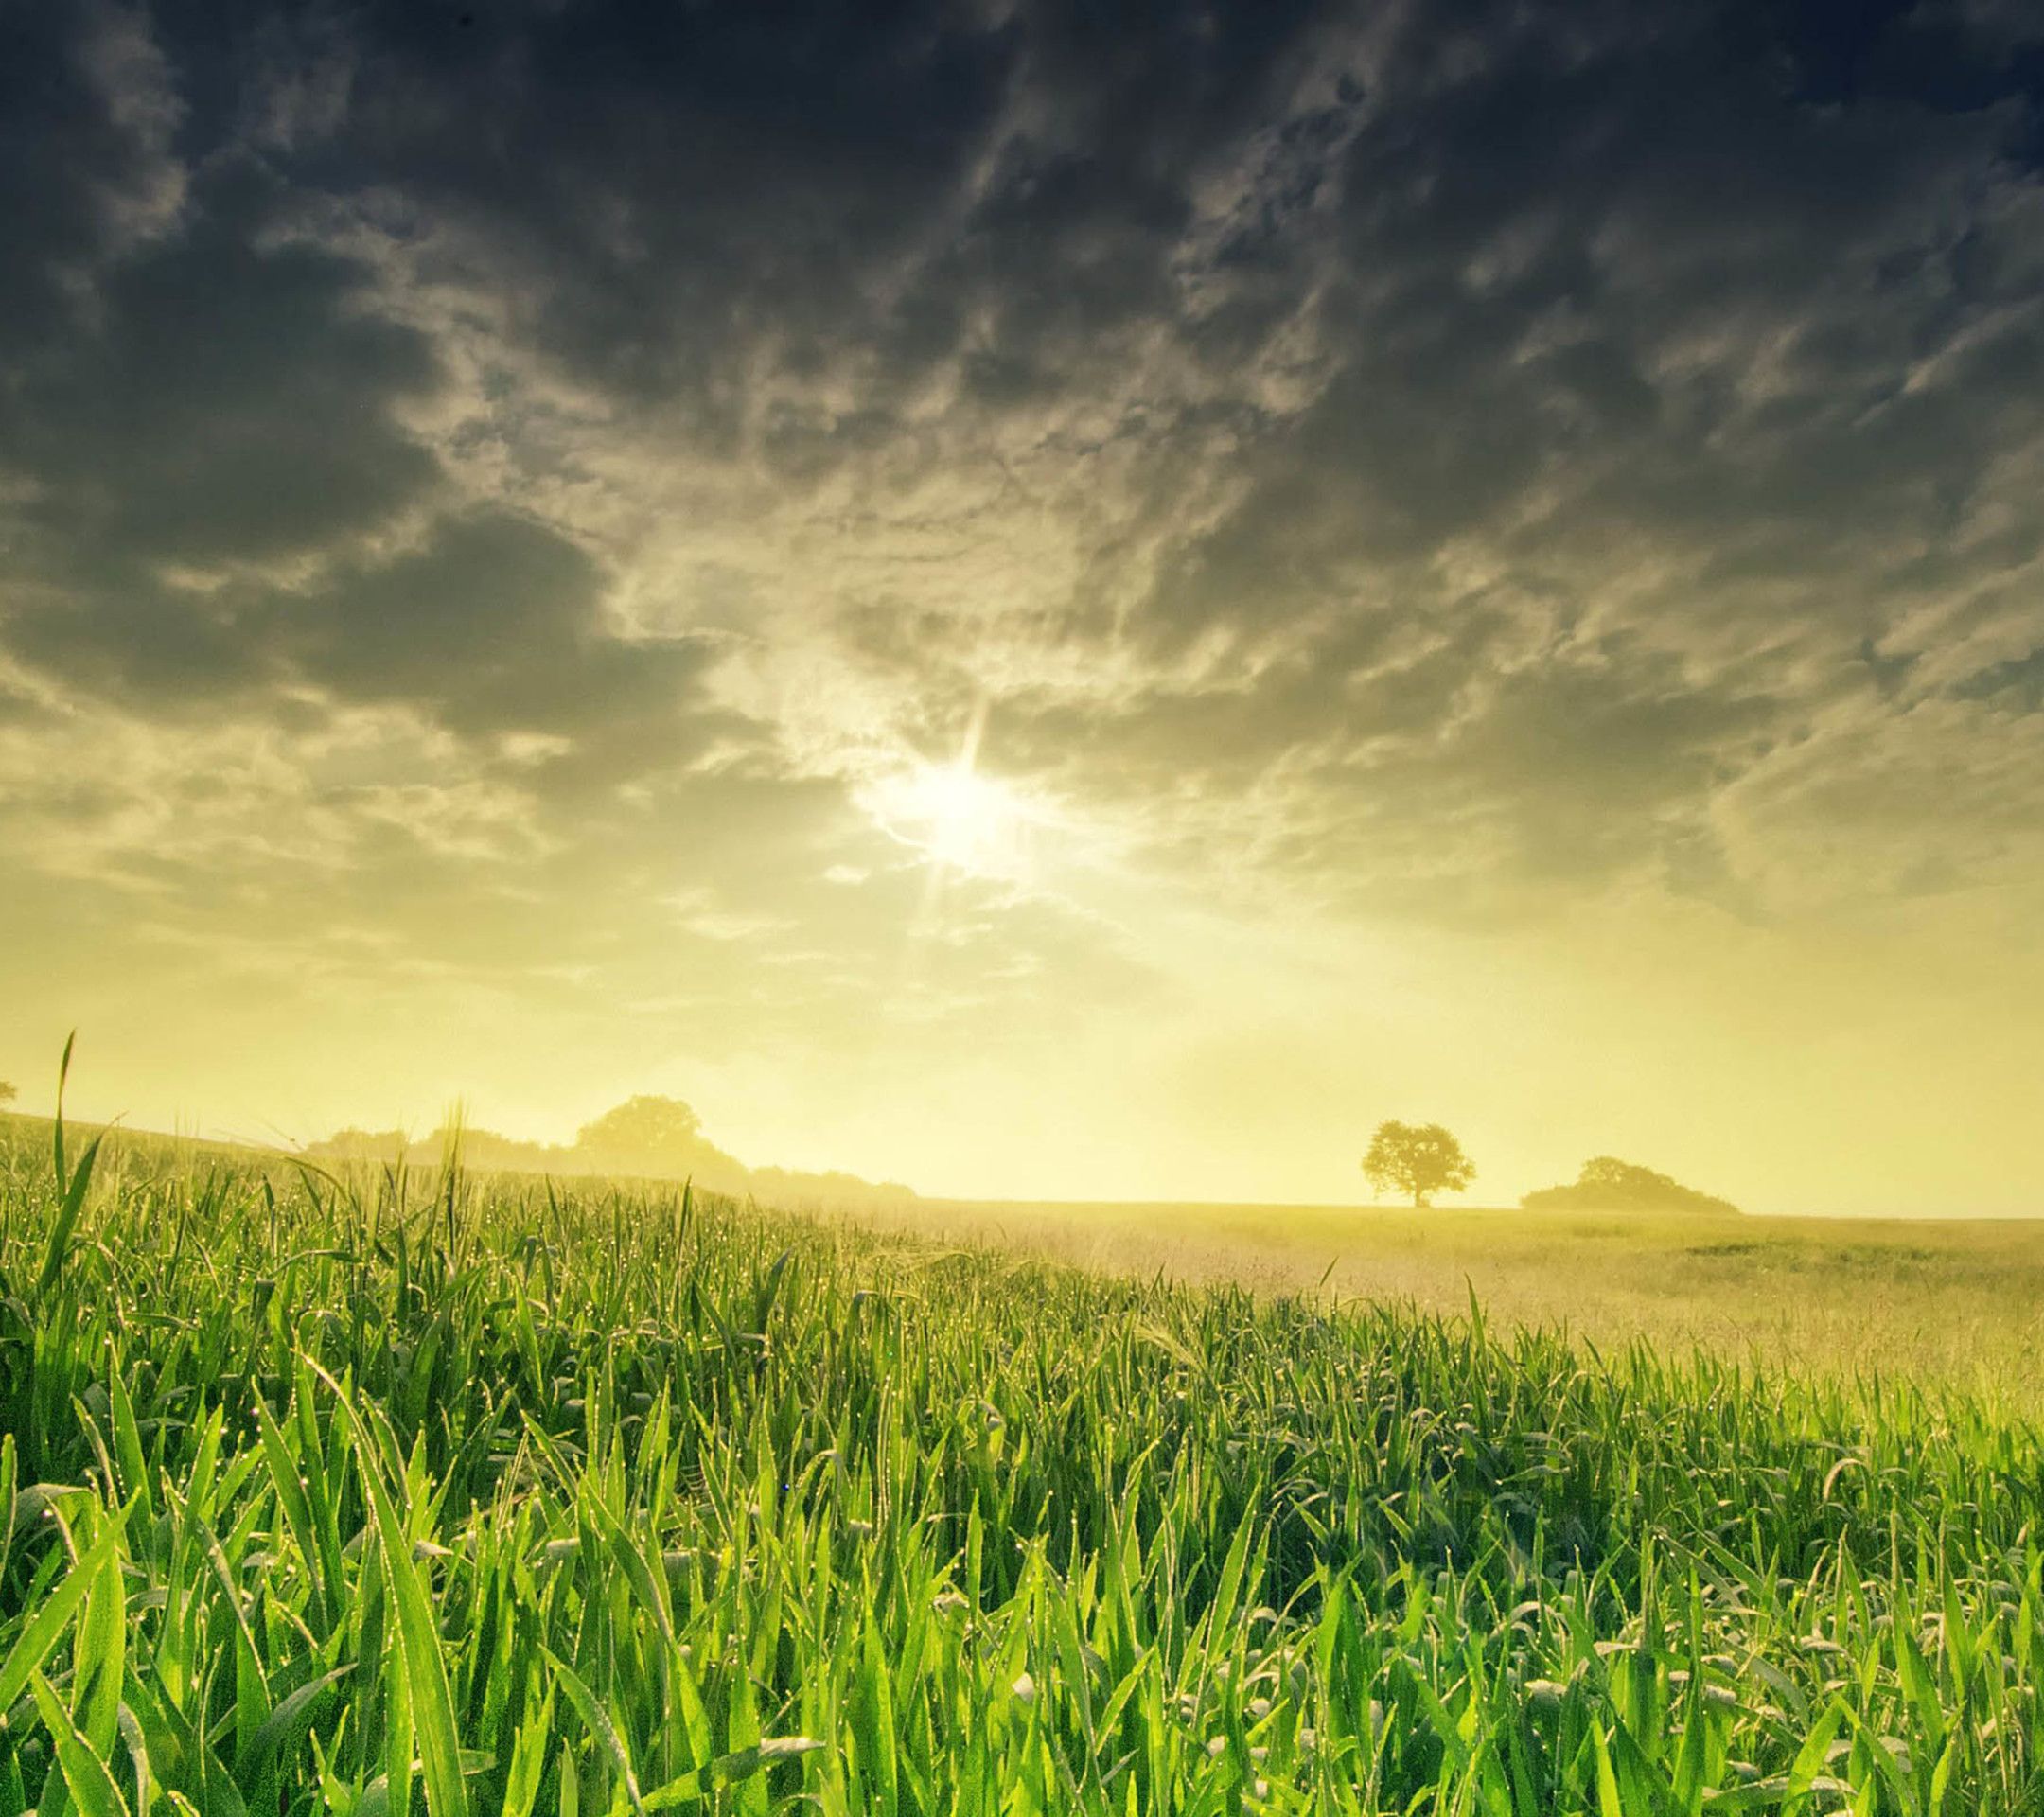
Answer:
x=1939 y=1303
x=1943 y=1303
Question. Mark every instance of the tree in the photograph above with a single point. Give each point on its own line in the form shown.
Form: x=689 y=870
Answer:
x=1419 y=1159
x=659 y=1136
x=7 y=1093
x=644 y=1125
x=1607 y=1184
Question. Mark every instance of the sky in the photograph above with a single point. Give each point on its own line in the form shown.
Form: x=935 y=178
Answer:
x=1038 y=599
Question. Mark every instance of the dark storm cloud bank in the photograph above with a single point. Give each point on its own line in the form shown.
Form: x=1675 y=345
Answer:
x=693 y=199
x=215 y=499
x=1579 y=403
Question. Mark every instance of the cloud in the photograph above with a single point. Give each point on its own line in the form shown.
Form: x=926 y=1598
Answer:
x=1634 y=445
x=220 y=400
x=86 y=115
x=1452 y=469
x=236 y=507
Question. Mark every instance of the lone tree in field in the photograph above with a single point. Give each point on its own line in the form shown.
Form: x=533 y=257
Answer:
x=1419 y=1159
x=7 y=1093
x=649 y=1134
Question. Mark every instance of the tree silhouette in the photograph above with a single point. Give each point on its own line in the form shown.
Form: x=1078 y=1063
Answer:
x=652 y=1134
x=643 y=1125
x=1419 y=1158
x=1607 y=1184
x=7 y=1093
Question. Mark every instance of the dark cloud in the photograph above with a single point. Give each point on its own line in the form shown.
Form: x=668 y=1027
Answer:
x=193 y=392
x=683 y=204
x=495 y=625
x=1635 y=285
x=667 y=193
x=218 y=399
x=216 y=497
x=1628 y=318
x=2017 y=682
x=1519 y=423
x=82 y=167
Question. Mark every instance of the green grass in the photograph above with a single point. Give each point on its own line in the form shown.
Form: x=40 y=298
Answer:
x=451 y=1496
x=1947 y=1301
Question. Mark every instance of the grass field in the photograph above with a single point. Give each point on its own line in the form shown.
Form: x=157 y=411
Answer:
x=1944 y=1301
x=379 y=1496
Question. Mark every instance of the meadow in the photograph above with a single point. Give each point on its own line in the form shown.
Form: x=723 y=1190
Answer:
x=380 y=1493
x=1935 y=1301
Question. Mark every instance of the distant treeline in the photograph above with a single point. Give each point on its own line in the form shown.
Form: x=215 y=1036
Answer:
x=1607 y=1184
x=647 y=1136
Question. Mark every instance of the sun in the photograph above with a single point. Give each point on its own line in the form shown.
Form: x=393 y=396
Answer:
x=958 y=819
